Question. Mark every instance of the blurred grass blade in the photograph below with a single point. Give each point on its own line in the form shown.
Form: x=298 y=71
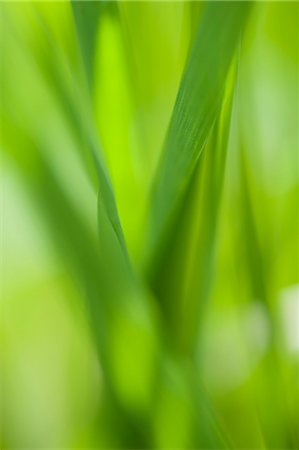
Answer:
x=96 y=268
x=254 y=253
x=86 y=15
x=183 y=281
x=79 y=113
x=119 y=308
x=197 y=107
x=202 y=238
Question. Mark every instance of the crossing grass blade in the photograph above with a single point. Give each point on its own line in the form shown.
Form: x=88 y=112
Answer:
x=197 y=107
x=77 y=108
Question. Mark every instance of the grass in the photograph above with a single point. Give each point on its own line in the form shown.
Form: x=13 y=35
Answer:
x=149 y=234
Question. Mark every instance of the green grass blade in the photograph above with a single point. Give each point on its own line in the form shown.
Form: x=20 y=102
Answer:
x=86 y=15
x=119 y=308
x=196 y=109
x=79 y=114
x=183 y=281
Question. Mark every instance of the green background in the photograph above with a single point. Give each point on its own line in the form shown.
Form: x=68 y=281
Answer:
x=149 y=225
